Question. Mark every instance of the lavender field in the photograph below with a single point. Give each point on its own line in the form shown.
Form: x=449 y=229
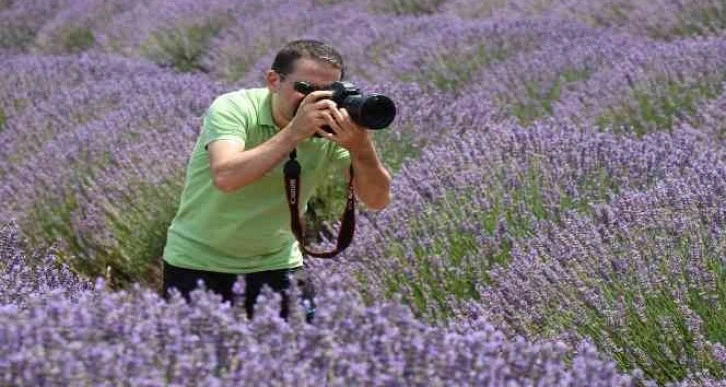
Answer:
x=558 y=210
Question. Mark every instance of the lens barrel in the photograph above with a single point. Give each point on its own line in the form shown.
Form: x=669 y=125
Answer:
x=373 y=111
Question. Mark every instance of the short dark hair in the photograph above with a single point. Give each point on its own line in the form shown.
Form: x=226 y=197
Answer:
x=306 y=48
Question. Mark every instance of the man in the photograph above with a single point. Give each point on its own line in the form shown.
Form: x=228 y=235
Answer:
x=233 y=216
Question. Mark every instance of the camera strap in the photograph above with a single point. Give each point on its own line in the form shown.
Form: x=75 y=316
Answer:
x=292 y=189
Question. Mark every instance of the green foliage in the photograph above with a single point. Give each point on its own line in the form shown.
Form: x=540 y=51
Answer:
x=394 y=146
x=539 y=99
x=449 y=71
x=3 y=119
x=478 y=9
x=326 y=206
x=181 y=47
x=326 y=3
x=240 y=66
x=656 y=333
x=16 y=37
x=49 y=220
x=514 y=209
x=657 y=105
x=398 y=144
x=697 y=19
x=140 y=225
x=77 y=39
x=133 y=230
x=406 y=7
x=614 y=13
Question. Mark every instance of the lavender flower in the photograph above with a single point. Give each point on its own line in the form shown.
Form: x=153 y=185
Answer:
x=482 y=191
x=95 y=163
x=641 y=277
x=134 y=336
x=26 y=274
x=21 y=21
x=75 y=28
x=650 y=89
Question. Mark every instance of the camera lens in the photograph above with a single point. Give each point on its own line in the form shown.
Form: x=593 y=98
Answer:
x=377 y=111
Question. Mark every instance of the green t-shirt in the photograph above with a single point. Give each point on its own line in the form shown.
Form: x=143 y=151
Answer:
x=247 y=230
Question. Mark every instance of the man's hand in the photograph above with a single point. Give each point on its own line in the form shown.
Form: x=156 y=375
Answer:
x=371 y=181
x=346 y=132
x=312 y=114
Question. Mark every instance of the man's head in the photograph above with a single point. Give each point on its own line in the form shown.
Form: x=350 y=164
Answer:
x=302 y=60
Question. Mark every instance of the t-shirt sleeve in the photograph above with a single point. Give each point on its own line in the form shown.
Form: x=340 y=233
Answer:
x=224 y=120
x=340 y=158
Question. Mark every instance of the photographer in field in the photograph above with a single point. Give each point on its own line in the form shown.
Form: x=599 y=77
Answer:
x=259 y=156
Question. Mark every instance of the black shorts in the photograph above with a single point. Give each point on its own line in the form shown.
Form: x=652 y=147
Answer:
x=185 y=281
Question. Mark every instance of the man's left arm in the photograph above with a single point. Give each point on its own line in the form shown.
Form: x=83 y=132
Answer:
x=371 y=180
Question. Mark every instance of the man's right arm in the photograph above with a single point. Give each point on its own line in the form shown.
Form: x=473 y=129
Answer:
x=233 y=167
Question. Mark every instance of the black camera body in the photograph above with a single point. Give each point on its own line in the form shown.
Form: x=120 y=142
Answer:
x=373 y=111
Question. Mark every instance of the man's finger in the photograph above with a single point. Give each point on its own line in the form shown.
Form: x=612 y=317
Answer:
x=326 y=104
x=346 y=116
x=325 y=133
x=331 y=121
x=338 y=115
x=317 y=95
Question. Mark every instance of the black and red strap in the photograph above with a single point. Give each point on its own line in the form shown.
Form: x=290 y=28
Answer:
x=292 y=189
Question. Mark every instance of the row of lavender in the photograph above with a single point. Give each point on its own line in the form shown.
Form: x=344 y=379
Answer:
x=161 y=28
x=225 y=38
x=576 y=279
x=661 y=19
x=504 y=64
x=550 y=231
x=58 y=329
x=644 y=267
x=609 y=117
x=101 y=124
x=93 y=153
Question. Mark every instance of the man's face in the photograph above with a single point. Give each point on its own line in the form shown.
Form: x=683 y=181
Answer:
x=320 y=74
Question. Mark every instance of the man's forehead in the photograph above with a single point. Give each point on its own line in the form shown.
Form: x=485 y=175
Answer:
x=312 y=69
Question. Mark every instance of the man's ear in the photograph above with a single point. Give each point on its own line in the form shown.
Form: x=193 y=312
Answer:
x=272 y=79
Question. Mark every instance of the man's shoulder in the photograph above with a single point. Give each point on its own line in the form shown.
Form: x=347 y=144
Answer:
x=252 y=97
x=250 y=108
x=248 y=105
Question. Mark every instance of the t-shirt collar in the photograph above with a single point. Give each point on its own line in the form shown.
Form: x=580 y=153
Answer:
x=266 y=112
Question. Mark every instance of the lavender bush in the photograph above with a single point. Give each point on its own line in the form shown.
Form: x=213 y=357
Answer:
x=611 y=81
x=246 y=49
x=454 y=50
x=480 y=192
x=660 y=19
x=75 y=28
x=529 y=86
x=20 y=21
x=652 y=89
x=710 y=116
x=25 y=273
x=97 y=181
x=644 y=277
x=29 y=80
x=99 y=336
x=667 y=88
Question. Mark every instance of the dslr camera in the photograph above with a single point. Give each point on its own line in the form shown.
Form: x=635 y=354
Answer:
x=373 y=111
